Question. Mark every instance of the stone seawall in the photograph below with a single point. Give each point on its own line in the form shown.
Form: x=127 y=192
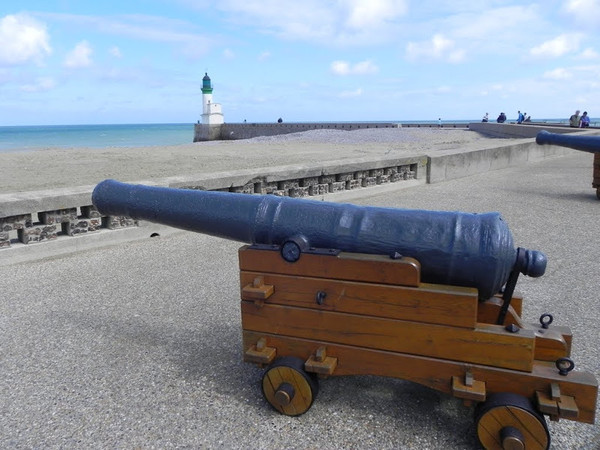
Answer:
x=513 y=130
x=231 y=131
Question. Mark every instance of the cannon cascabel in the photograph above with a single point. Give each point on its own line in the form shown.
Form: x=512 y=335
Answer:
x=455 y=248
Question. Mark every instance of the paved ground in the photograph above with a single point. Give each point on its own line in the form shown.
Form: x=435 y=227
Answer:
x=138 y=346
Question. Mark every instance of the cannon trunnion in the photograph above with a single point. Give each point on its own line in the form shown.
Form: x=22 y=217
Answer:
x=329 y=289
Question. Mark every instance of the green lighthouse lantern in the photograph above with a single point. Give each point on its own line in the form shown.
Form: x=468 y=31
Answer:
x=206 y=85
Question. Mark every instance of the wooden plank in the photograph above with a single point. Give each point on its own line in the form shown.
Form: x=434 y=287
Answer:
x=488 y=344
x=437 y=373
x=550 y=344
x=256 y=289
x=345 y=266
x=475 y=391
x=567 y=335
x=430 y=303
x=489 y=310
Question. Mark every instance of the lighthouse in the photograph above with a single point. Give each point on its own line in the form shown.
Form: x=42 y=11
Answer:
x=211 y=112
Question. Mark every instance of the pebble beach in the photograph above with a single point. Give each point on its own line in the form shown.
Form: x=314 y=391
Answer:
x=49 y=168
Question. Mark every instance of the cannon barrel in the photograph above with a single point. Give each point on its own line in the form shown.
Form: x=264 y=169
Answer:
x=456 y=248
x=590 y=144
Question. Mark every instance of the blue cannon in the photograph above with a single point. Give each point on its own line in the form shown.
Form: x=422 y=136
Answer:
x=455 y=248
x=590 y=144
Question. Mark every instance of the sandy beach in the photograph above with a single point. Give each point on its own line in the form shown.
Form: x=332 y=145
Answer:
x=54 y=168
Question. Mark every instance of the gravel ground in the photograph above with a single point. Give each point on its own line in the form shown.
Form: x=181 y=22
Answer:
x=54 y=168
x=139 y=345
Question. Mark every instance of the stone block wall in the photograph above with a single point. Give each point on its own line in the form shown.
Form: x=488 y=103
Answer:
x=310 y=186
x=50 y=225
x=37 y=217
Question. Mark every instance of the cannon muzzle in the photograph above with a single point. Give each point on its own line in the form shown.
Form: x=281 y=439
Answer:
x=456 y=248
x=590 y=144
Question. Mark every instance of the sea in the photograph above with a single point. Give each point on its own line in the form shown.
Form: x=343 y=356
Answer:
x=26 y=138
x=23 y=138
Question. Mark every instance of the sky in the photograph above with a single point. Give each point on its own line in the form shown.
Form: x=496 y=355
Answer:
x=142 y=61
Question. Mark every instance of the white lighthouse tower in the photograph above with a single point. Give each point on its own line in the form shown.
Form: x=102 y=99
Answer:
x=211 y=112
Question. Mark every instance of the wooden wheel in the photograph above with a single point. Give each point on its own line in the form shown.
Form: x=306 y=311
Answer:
x=508 y=421
x=288 y=387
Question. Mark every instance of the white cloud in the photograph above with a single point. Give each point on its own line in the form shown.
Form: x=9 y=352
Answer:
x=361 y=68
x=437 y=48
x=559 y=73
x=228 y=54
x=22 y=39
x=586 y=12
x=589 y=53
x=143 y=27
x=116 y=52
x=366 y=14
x=264 y=56
x=41 y=84
x=560 y=45
x=80 y=56
x=341 y=22
x=491 y=25
x=351 y=94
x=340 y=67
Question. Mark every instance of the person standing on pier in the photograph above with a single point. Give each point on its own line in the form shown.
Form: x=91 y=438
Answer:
x=574 y=120
x=585 y=120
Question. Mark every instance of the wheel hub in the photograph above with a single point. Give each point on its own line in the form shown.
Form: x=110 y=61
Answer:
x=512 y=439
x=285 y=394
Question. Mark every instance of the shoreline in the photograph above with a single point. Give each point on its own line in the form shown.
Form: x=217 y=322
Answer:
x=58 y=167
x=26 y=138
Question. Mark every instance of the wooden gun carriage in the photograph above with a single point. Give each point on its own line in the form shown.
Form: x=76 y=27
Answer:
x=355 y=314
x=413 y=308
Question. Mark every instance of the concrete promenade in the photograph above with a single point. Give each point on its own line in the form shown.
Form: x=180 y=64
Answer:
x=139 y=345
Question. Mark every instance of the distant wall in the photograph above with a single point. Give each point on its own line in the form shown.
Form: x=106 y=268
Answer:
x=455 y=163
x=229 y=131
x=435 y=125
x=513 y=130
